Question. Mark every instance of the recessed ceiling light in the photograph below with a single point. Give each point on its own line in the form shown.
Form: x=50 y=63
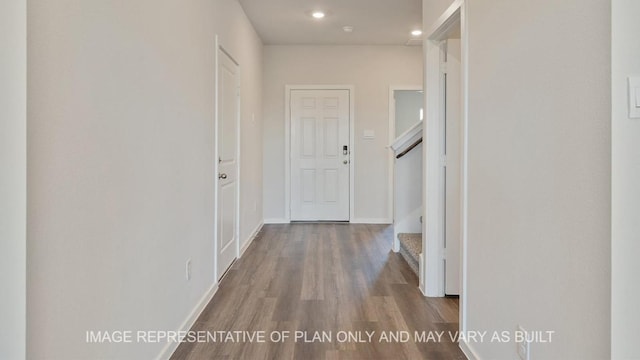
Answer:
x=347 y=29
x=317 y=14
x=416 y=32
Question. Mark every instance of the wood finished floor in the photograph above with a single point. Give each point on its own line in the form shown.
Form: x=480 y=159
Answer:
x=324 y=277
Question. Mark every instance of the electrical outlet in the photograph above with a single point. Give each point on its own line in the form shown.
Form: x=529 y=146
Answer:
x=524 y=350
x=188 y=269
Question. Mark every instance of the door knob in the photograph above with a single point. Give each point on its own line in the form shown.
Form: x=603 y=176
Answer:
x=222 y=176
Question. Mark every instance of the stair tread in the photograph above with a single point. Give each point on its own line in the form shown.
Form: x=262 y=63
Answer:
x=411 y=248
x=412 y=242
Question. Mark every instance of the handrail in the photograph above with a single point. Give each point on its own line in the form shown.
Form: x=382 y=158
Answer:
x=409 y=148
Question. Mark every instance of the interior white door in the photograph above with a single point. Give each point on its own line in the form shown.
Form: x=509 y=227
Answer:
x=228 y=100
x=320 y=155
x=453 y=143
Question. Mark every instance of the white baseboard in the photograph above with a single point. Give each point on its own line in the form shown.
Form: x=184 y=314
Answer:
x=171 y=346
x=252 y=237
x=385 y=221
x=276 y=221
x=396 y=242
x=468 y=350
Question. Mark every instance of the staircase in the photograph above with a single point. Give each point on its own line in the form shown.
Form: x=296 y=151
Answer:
x=410 y=249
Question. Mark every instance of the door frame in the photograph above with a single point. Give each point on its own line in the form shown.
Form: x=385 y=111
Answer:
x=391 y=162
x=287 y=143
x=449 y=163
x=432 y=277
x=219 y=47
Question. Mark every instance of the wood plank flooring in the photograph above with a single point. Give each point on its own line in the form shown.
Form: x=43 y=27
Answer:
x=336 y=279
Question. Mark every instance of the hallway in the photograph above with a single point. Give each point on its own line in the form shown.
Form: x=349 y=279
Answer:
x=325 y=278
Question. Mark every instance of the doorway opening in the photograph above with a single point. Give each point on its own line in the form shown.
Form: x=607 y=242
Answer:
x=406 y=113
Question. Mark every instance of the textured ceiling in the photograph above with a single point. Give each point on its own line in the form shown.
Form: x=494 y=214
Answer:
x=375 y=22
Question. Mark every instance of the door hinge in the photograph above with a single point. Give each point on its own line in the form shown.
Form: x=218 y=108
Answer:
x=443 y=160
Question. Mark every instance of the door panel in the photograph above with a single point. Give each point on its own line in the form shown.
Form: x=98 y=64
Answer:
x=227 y=201
x=228 y=116
x=309 y=185
x=319 y=167
x=331 y=185
x=308 y=140
x=332 y=133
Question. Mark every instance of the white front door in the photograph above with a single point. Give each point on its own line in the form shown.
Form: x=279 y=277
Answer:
x=453 y=142
x=228 y=115
x=320 y=155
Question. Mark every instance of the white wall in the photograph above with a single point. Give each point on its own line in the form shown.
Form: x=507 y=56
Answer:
x=408 y=192
x=371 y=69
x=539 y=173
x=625 y=247
x=408 y=106
x=431 y=12
x=121 y=167
x=13 y=173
